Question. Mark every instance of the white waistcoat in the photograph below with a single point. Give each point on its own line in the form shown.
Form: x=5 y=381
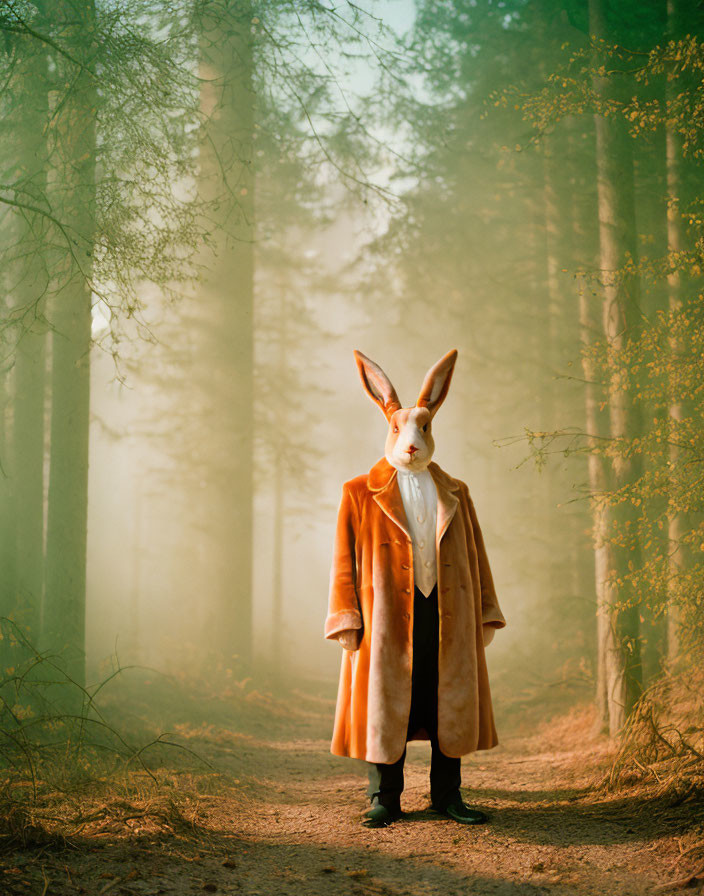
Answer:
x=420 y=501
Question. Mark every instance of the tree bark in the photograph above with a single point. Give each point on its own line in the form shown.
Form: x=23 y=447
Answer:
x=619 y=626
x=74 y=197
x=226 y=183
x=598 y=485
x=675 y=244
x=277 y=614
x=134 y=623
x=8 y=554
x=30 y=283
x=584 y=255
x=566 y=523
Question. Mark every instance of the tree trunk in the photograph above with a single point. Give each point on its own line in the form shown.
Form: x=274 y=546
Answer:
x=621 y=318
x=584 y=257
x=226 y=183
x=552 y=336
x=73 y=197
x=30 y=286
x=675 y=244
x=277 y=613
x=8 y=555
x=134 y=623
x=598 y=485
x=567 y=521
x=28 y=478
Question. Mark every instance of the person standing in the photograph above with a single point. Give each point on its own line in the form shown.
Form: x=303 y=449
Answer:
x=412 y=602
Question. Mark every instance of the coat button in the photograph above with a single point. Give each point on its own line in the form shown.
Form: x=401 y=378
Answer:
x=406 y=615
x=405 y=566
x=407 y=590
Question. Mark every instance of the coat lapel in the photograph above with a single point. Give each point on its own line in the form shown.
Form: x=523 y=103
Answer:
x=383 y=484
x=447 y=499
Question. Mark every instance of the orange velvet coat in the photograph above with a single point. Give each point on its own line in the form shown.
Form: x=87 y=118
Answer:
x=371 y=591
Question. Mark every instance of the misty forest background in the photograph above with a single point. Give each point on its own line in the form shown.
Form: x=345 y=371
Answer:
x=206 y=205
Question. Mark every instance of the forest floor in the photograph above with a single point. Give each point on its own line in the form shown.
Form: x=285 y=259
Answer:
x=279 y=815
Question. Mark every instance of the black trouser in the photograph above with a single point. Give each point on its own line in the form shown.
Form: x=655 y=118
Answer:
x=386 y=780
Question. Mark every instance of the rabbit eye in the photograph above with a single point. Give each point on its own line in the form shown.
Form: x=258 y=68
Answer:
x=395 y=428
x=425 y=427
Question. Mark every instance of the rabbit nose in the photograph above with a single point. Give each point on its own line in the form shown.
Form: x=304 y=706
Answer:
x=412 y=450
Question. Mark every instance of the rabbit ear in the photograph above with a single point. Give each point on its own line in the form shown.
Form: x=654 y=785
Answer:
x=436 y=383
x=377 y=384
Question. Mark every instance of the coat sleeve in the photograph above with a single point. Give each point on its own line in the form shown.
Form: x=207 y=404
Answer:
x=491 y=611
x=343 y=603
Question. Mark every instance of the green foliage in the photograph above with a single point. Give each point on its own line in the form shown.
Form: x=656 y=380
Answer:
x=657 y=367
x=132 y=66
x=642 y=103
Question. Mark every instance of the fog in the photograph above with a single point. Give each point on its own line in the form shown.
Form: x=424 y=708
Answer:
x=206 y=208
x=154 y=555
x=235 y=205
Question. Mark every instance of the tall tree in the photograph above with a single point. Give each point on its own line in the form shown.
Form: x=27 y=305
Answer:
x=24 y=332
x=29 y=292
x=619 y=637
x=73 y=195
x=226 y=187
x=676 y=23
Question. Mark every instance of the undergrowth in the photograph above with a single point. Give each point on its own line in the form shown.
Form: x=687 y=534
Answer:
x=663 y=745
x=663 y=740
x=70 y=758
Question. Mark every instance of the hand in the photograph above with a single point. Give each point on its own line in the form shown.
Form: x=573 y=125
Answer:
x=348 y=639
x=488 y=631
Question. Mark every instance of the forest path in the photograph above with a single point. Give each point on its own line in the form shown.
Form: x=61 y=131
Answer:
x=284 y=820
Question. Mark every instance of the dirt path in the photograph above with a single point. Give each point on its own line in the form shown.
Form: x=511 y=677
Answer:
x=285 y=819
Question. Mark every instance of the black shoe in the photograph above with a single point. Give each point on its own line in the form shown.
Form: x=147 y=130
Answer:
x=460 y=812
x=381 y=816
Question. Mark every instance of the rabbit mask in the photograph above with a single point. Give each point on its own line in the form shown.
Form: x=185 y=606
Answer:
x=409 y=443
